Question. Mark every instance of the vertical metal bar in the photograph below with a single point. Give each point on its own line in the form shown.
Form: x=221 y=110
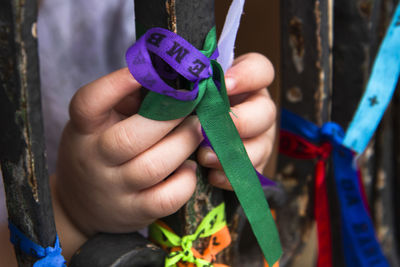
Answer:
x=353 y=59
x=192 y=20
x=22 y=150
x=306 y=87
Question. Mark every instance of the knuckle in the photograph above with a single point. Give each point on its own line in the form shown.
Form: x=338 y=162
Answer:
x=168 y=204
x=126 y=140
x=117 y=140
x=153 y=169
x=161 y=205
x=78 y=108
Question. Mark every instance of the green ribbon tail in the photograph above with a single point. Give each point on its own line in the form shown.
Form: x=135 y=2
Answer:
x=232 y=154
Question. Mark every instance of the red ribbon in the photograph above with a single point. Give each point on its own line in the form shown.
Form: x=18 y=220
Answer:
x=297 y=147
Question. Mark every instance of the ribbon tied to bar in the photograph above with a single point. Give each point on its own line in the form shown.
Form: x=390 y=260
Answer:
x=159 y=55
x=359 y=243
x=213 y=225
x=297 y=147
x=50 y=256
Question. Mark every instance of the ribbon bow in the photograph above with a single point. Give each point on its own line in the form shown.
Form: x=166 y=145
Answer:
x=213 y=224
x=50 y=256
x=209 y=99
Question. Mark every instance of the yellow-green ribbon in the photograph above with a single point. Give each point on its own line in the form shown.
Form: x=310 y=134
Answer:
x=212 y=223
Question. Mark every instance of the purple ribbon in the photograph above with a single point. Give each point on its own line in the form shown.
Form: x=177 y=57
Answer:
x=179 y=54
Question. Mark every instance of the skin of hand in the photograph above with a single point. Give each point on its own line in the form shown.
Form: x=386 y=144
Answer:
x=113 y=163
x=253 y=112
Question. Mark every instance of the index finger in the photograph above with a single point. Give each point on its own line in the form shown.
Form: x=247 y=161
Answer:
x=92 y=105
x=249 y=73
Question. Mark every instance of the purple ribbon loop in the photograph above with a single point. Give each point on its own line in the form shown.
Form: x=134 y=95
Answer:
x=179 y=54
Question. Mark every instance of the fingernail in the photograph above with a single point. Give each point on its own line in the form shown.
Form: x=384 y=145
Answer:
x=191 y=164
x=211 y=157
x=230 y=84
x=219 y=178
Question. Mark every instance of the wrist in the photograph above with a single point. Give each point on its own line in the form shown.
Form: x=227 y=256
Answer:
x=71 y=237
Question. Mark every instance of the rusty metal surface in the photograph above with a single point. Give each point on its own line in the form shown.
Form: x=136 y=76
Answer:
x=353 y=59
x=22 y=151
x=353 y=35
x=306 y=72
x=192 y=20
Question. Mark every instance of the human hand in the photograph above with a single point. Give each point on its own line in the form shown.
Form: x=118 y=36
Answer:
x=254 y=114
x=112 y=163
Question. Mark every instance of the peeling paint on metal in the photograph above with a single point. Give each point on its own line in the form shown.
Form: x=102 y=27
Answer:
x=365 y=8
x=320 y=94
x=170 y=7
x=302 y=202
x=381 y=179
x=23 y=65
x=34 y=30
x=294 y=95
x=296 y=41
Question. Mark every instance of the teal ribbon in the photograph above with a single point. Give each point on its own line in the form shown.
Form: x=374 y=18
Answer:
x=379 y=91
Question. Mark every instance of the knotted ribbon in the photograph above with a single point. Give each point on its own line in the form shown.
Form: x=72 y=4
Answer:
x=213 y=225
x=209 y=99
x=50 y=256
x=360 y=246
x=297 y=147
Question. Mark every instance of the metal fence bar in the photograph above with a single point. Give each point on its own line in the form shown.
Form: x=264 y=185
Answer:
x=22 y=149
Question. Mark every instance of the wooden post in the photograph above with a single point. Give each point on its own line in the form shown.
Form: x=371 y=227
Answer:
x=22 y=150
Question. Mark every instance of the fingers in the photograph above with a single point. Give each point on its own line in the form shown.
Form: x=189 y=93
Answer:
x=168 y=196
x=258 y=150
x=130 y=104
x=249 y=72
x=218 y=179
x=130 y=137
x=255 y=115
x=92 y=105
x=156 y=163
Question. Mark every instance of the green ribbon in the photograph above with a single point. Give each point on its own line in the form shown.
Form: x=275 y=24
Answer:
x=212 y=108
x=212 y=223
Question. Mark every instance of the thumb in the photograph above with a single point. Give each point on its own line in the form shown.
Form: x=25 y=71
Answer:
x=91 y=106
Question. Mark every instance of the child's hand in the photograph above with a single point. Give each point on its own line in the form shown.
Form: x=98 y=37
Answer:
x=111 y=168
x=255 y=112
x=113 y=162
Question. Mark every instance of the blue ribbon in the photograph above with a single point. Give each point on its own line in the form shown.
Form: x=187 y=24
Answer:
x=379 y=91
x=361 y=248
x=50 y=256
